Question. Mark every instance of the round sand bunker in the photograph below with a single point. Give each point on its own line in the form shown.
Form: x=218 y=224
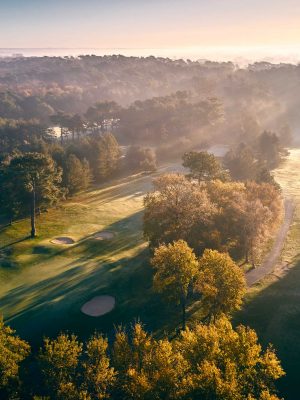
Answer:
x=98 y=306
x=104 y=235
x=63 y=240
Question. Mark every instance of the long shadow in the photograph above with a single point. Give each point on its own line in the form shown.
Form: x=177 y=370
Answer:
x=128 y=232
x=275 y=315
x=15 y=242
x=51 y=305
x=54 y=303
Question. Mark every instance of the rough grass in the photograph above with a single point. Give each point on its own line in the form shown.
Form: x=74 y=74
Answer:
x=43 y=285
x=272 y=307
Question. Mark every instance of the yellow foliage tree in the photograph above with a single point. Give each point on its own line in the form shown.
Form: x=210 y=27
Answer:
x=176 y=267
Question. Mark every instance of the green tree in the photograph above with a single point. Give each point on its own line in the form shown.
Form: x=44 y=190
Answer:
x=106 y=156
x=176 y=267
x=34 y=181
x=13 y=351
x=203 y=166
x=77 y=174
x=140 y=159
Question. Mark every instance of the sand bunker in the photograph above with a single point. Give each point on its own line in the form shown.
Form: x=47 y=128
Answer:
x=63 y=240
x=104 y=235
x=98 y=306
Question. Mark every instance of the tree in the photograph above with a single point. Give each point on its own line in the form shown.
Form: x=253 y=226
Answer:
x=13 y=351
x=59 y=360
x=269 y=149
x=77 y=174
x=228 y=364
x=176 y=267
x=98 y=377
x=221 y=284
x=203 y=166
x=106 y=156
x=146 y=368
x=34 y=180
x=177 y=209
x=140 y=159
x=241 y=163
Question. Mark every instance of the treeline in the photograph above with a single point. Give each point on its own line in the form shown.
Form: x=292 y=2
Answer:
x=208 y=360
x=260 y=97
x=37 y=173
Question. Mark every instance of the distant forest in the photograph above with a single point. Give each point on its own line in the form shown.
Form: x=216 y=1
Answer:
x=195 y=101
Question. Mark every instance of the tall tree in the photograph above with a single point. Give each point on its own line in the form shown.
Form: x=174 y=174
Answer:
x=108 y=156
x=176 y=267
x=77 y=174
x=35 y=181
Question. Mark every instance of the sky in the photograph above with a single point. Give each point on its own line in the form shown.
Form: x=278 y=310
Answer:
x=149 y=23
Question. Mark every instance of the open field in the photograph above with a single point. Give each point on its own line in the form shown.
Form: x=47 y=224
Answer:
x=44 y=285
x=273 y=305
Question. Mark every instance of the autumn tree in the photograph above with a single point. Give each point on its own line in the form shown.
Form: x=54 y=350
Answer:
x=59 y=362
x=262 y=212
x=175 y=267
x=221 y=284
x=146 y=368
x=227 y=363
x=203 y=166
x=177 y=209
x=13 y=351
x=33 y=180
x=75 y=371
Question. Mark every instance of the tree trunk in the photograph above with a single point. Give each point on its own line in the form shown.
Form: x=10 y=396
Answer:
x=33 y=230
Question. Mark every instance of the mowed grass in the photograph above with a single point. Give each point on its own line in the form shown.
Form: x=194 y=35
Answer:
x=272 y=307
x=44 y=285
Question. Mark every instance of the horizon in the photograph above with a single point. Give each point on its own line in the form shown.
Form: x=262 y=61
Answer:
x=237 y=54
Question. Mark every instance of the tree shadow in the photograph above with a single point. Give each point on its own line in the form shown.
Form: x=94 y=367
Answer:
x=275 y=315
x=52 y=305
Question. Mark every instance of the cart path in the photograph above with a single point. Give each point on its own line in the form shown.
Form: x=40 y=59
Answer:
x=272 y=258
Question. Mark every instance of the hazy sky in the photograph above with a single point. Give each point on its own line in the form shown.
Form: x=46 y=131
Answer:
x=148 y=23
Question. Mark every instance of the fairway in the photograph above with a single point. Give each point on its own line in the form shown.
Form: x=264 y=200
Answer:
x=45 y=284
x=273 y=306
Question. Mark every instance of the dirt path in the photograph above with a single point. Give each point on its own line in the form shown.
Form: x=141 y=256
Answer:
x=271 y=259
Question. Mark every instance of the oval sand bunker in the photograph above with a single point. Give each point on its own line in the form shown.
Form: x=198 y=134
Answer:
x=98 y=306
x=104 y=235
x=63 y=240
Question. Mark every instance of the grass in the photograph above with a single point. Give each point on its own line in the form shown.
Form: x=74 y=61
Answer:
x=272 y=307
x=44 y=285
